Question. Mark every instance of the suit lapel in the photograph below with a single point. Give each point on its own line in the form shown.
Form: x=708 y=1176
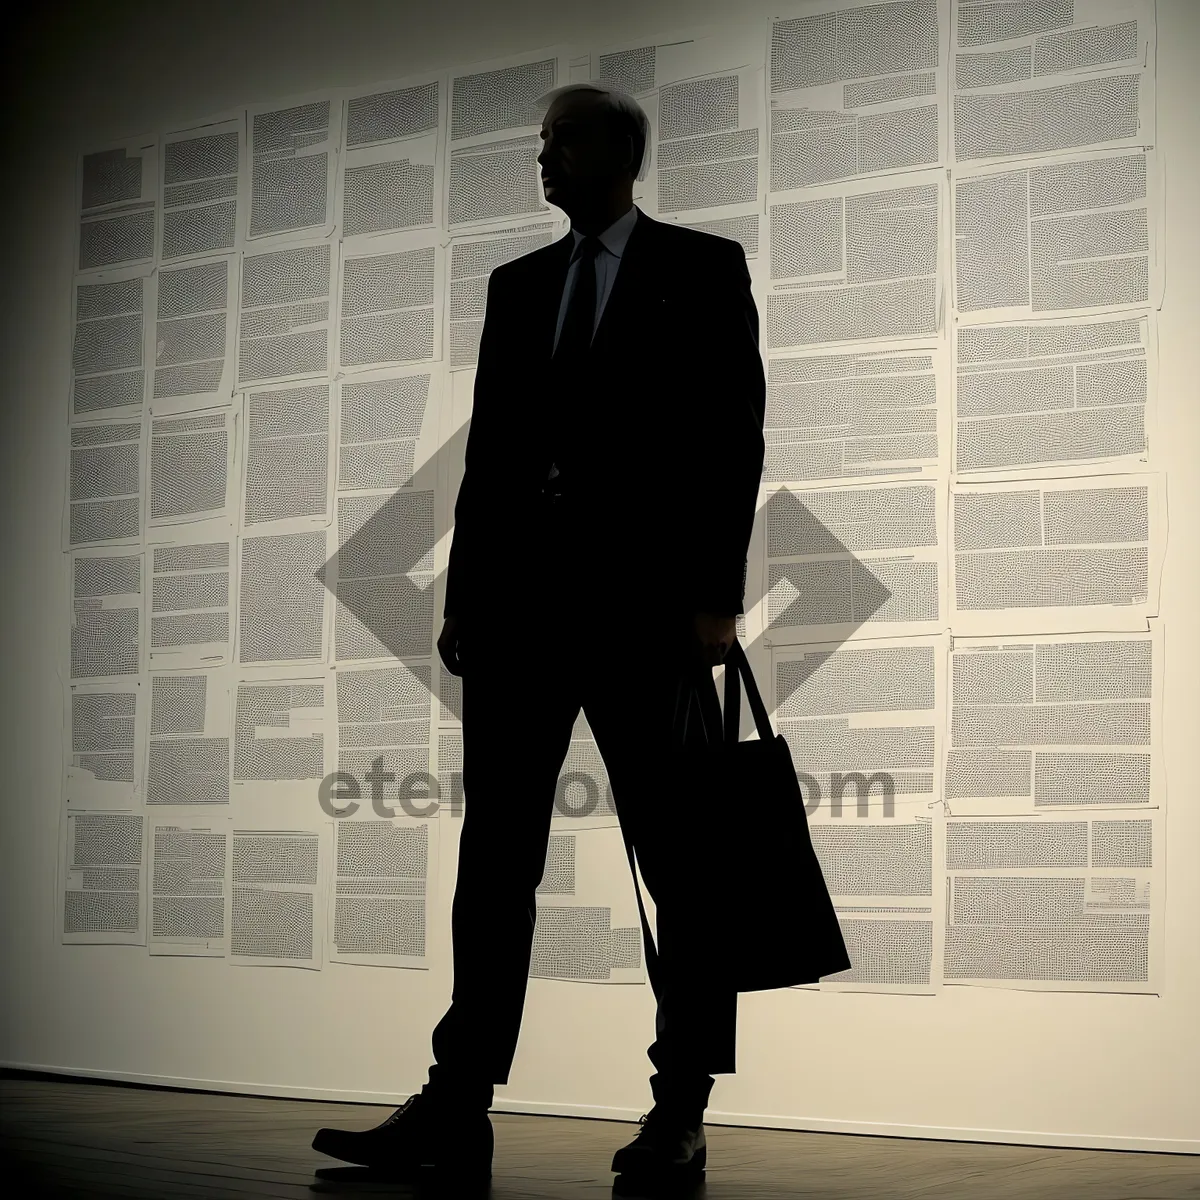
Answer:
x=550 y=294
x=628 y=285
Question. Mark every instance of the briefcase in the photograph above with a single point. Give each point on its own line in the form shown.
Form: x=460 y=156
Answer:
x=725 y=850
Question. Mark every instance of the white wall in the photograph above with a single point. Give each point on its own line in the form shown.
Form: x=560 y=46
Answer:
x=979 y=1063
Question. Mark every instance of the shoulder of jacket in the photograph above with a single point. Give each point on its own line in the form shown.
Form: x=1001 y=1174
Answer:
x=515 y=268
x=696 y=254
x=693 y=246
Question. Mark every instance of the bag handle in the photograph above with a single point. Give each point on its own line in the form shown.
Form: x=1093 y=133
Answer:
x=737 y=666
x=702 y=689
x=696 y=689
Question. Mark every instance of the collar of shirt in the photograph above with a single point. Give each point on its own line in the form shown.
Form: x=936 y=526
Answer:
x=613 y=239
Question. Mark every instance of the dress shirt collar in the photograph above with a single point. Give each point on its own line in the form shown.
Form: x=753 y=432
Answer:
x=613 y=238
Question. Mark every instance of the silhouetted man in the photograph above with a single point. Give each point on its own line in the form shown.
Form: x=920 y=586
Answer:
x=598 y=558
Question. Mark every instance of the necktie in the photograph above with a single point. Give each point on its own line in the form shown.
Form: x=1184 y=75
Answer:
x=574 y=341
x=576 y=334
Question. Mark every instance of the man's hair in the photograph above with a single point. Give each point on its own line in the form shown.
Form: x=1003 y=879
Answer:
x=623 y=113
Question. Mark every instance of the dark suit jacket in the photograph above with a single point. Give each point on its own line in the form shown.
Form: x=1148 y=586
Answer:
x=669 y=419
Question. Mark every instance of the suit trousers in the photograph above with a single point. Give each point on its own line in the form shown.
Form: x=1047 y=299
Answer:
x=525 y=676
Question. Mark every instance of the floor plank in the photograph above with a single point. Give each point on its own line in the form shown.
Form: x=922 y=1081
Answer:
x=79 y=1138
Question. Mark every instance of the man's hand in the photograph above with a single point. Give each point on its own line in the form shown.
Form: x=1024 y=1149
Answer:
x=715 y=634
x=448 y=645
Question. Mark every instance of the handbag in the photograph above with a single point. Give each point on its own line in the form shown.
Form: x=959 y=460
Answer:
x=726 y=853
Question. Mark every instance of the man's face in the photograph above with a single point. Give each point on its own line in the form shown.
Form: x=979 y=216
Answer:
x=579 y=155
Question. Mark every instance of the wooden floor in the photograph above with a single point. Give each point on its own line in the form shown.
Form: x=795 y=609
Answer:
x=70 y=1137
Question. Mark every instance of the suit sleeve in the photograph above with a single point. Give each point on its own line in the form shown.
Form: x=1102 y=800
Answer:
x=726 y=445
x=462 y=588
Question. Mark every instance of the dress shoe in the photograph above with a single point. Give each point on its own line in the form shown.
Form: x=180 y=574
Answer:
x=669 y=1145
x=422 y=1132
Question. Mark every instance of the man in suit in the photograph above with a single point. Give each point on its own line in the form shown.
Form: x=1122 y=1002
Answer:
x=600 y=540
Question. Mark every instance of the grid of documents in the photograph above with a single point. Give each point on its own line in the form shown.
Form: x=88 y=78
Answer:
x=951 y=211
